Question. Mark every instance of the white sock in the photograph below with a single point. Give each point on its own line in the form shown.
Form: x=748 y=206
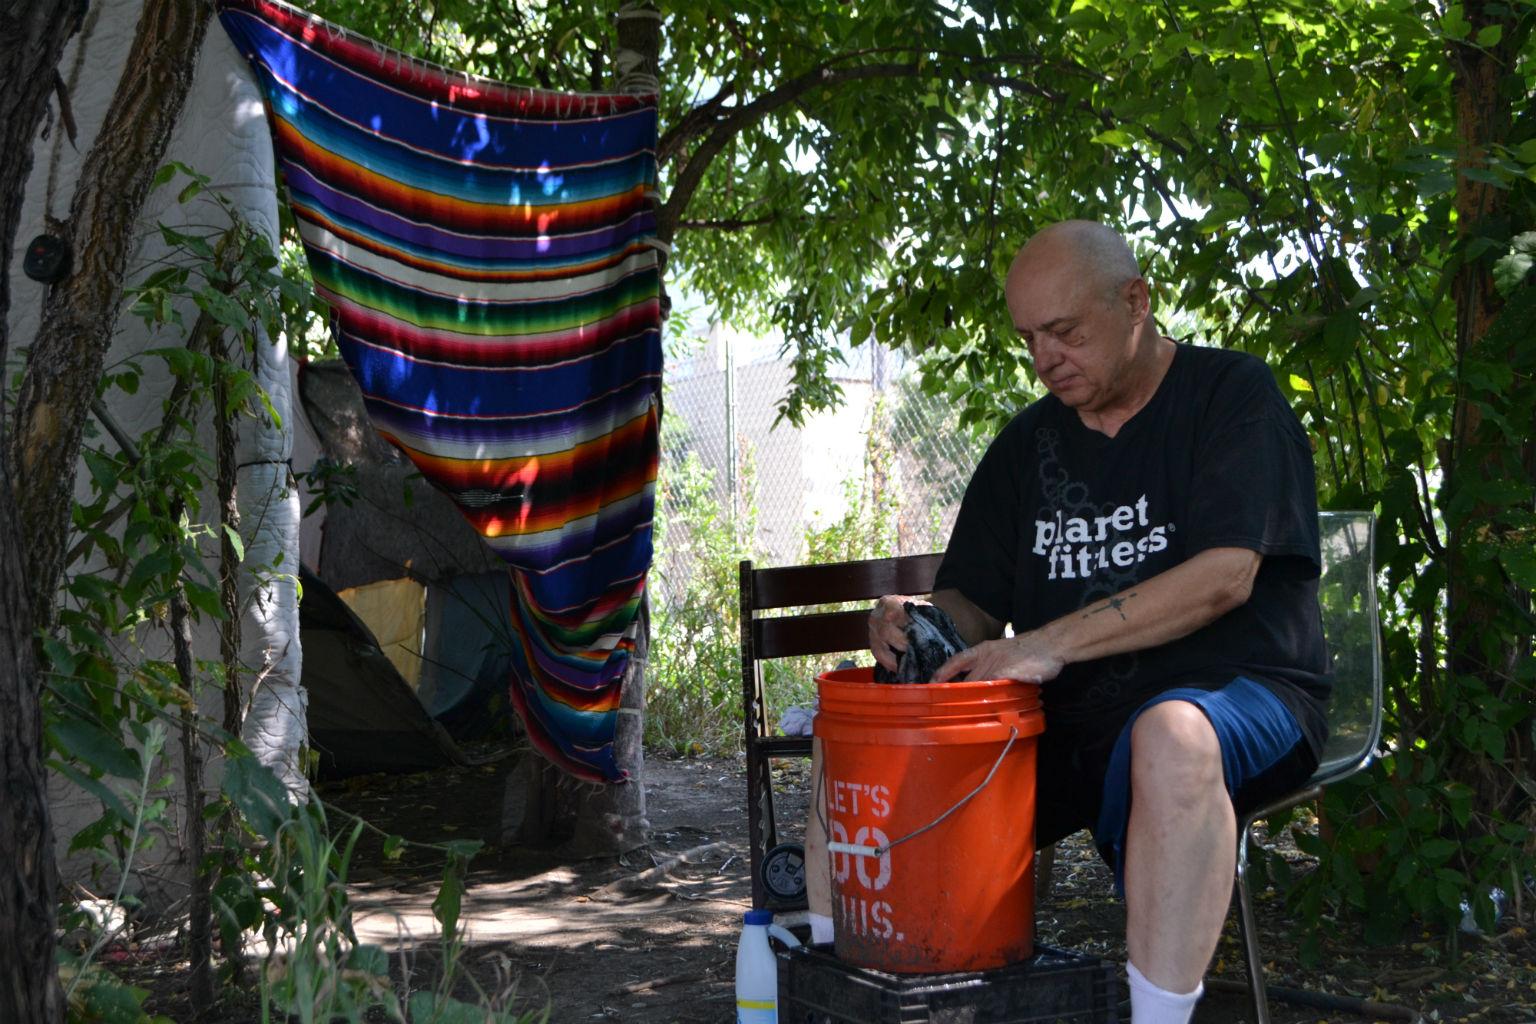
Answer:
x=821 y=928
x=1153 y=1005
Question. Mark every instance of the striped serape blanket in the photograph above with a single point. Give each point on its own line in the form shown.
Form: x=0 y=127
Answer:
x=485 y=251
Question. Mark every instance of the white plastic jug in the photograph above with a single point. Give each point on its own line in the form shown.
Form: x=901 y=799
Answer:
x=757 y=970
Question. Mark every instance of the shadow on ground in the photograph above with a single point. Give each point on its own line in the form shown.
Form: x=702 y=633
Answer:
x=601 y=940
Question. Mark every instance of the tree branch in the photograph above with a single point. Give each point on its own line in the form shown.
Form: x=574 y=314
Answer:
x=732 y=224
x=692 y=174
x=692 y=123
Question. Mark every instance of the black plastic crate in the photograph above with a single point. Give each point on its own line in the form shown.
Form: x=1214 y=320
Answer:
x=1056 y=986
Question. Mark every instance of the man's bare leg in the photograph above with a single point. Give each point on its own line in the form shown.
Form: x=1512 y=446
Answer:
x=1181 y=846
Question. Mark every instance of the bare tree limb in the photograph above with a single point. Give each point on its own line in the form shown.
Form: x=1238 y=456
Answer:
x=692 y=174
x=693 y=123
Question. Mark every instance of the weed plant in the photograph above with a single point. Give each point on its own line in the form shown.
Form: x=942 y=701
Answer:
x=273 y=864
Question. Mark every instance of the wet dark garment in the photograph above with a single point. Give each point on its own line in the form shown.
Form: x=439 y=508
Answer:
x=932 y=639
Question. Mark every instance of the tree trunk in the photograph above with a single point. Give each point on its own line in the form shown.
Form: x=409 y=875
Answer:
x=638 y=63
x=200 y=915
x=543 y=804
x=29 y=982
x=66 y=359
x=546 y=807
x=229 y=559
x=612 y=819
x=1481 y=643
x=32 y=37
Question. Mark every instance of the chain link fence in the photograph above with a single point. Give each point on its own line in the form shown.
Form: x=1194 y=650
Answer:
x=888 y=467
x=881 y=475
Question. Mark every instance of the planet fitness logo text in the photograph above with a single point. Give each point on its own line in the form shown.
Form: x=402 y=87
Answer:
x=1076 y=548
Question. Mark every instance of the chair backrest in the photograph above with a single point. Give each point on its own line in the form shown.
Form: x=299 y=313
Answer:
x=1347 y=594
x=798 y=586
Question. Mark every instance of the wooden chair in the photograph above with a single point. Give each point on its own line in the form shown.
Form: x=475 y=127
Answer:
x=767 y=636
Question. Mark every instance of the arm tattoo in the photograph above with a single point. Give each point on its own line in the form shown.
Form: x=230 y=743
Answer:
x=1115 y=604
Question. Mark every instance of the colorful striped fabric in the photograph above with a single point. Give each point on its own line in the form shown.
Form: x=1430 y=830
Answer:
x=485 y=253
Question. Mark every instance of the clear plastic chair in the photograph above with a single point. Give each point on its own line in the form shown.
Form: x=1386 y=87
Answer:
x=1347 y=593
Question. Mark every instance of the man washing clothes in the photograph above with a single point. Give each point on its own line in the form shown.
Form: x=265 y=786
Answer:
x=1149 y=530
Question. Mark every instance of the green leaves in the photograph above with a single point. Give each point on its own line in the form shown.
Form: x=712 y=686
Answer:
x=222 y=308
x=90 y=743
x=259 y=795
x=184 y=363
x=1513 y=269
x=100 y=998
x=235 y=543
x=450 y=896
x=109 y=799
x=1520 y=563
x=1118 y=137
x=1454 y=22
x=444 y=1009
x=1435 y=852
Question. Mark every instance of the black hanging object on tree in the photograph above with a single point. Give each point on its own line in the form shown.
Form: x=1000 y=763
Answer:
x=47 y=259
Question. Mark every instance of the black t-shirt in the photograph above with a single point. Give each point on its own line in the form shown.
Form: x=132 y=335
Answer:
x=1058 y=516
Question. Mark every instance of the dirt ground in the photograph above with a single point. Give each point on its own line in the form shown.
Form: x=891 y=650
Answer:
x=567 y=937
x=581 y=942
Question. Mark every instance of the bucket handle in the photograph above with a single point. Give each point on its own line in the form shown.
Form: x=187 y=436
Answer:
x=858 y=850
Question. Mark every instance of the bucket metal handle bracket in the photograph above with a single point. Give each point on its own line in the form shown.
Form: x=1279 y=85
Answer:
x=856 y=849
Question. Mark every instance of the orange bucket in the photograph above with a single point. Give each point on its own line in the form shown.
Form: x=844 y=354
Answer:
x=928 y=795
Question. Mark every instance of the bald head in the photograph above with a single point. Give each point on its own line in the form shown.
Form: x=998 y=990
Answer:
x=1083 y=310
x=1096 y=253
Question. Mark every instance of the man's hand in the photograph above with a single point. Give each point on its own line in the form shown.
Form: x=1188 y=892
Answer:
x=888 y=623
x=1027 y=656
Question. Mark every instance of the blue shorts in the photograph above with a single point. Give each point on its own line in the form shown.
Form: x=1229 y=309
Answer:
x=1263 y=756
